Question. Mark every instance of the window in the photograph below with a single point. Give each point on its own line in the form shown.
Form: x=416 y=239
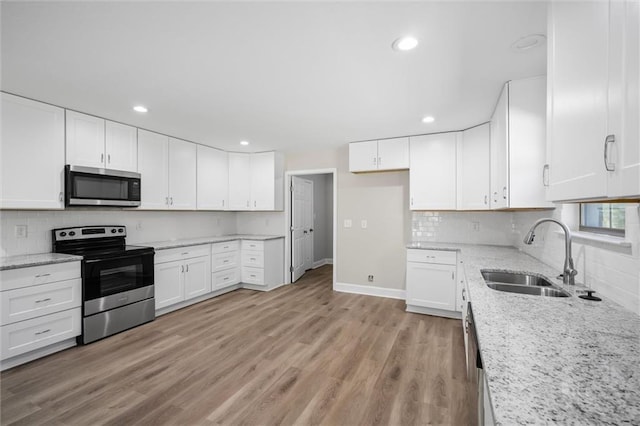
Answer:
x=603 y=218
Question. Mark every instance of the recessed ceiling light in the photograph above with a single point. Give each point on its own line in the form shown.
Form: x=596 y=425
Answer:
x=404 y=43
x=140 y=108
x=244 y=143
x=428 y=119
x=528 y=42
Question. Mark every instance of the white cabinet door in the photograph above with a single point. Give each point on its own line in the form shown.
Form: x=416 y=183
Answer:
x=500 y=151
x=197 y=277
x=577 y=68
x=182 y=175
x=212 y=179
x=363 y=156
x=263 y=181
x=527 y=143
x=431 y=285
x=85 y=140
x=169 y=283
x=393 y=154
x=474 y=166
x=153 y=165
x=432 y=175
x=239 y=181
x=121 y=142
x=32 y=155
x=624 y=96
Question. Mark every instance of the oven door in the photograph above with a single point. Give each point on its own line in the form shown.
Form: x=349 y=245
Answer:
x=116 y=281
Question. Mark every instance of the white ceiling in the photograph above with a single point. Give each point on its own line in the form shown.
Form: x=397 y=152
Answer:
x=287 y=76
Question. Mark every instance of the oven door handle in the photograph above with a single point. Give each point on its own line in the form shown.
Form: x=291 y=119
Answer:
x=130 y=256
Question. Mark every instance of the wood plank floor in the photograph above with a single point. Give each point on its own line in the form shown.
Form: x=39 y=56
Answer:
x=301 y=354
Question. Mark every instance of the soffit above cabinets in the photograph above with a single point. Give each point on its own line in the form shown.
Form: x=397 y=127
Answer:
x=286 y=76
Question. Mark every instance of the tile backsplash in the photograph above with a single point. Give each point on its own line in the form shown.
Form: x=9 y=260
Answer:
x=463 y=227
x=142 y=226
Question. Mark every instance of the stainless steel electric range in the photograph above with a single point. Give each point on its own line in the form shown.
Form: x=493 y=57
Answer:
x=117 y=279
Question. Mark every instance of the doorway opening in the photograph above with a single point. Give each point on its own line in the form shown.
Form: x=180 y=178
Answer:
x=310 y=235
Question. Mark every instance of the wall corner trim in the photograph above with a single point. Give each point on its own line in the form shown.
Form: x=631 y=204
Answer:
x=391 y=293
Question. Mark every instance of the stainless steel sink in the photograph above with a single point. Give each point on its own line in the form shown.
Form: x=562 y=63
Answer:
x=526 y=289
x=515 y=278
x=522 y=283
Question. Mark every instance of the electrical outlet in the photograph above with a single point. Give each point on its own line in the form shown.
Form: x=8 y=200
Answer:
x=370 y=278
x=347 y=223
x=475 y=226
x=21 y=231
x=139 y=225
x=363 y=223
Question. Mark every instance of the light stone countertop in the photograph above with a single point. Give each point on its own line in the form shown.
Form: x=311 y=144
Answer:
x=551 y=360
x=28 y=260
x=162 y=245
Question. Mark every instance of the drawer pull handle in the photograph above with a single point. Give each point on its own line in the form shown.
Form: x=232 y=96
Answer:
x=225 y=261
x=43 y=332
x=123 y=299
x=43 y=300
x=252 y=276
x=185 y=253
x=226 y=247
x=226 y=279
x=42 y=275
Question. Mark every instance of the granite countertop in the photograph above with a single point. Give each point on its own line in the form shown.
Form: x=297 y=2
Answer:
x=27 y=260
x=162 y=245
x=551 y=360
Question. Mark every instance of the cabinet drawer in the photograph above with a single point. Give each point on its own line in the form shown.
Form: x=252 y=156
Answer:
x=252 y=245
x=179 y=253
x=252 y=275
x=253 y=258
x=24 y=336
x=431 y=256
x=227 y=246
x=30 y=302
x=226 y=278
x=222 y=261
x=25 y=277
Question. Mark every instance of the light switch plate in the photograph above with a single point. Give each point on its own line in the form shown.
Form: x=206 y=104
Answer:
x=363 y=224
x=21 y=231
x=347 y=223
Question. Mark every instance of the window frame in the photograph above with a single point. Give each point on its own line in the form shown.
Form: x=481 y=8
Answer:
x=614 y=232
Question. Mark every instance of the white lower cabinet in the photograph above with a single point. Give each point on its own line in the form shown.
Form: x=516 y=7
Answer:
x=225 y=264
x=182 y=274
x=40 y=311
x=262 y=262
x=431 y=282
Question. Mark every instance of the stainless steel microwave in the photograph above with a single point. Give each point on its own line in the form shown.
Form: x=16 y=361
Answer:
x=89 y=186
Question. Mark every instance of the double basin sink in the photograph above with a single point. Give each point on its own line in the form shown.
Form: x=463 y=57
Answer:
x=522 y=283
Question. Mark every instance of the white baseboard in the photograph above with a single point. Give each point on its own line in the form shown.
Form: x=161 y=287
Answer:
x=38 y=353
x=391 y=293
x=322 y=262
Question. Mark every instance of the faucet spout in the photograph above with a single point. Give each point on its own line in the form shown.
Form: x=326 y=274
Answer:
x=568 y=276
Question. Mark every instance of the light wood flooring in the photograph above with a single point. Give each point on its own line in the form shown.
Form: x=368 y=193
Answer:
x=301 y=354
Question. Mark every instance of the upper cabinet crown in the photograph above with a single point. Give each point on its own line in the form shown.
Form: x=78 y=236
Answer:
x=32 y=154
x=96 y=142
x=593 y=95
x=518 y=146
x=385 y=154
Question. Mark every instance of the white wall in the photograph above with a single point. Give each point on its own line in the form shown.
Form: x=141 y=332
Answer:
x=142 y=226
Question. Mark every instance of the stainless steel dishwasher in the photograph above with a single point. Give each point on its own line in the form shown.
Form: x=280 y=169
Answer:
x=476 y=373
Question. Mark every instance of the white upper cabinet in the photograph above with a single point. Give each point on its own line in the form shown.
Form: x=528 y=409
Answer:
x=473 y=182
x=239 y=181
x=256 y=181
x=385 y=154
x=593 y=147
x=85 y=140
x=153 y=165
x=95 y=142
x=32 y=154
x=518 y=146
x=121 y=147
x=432 y=172
x=182 y=175
x=213 y=179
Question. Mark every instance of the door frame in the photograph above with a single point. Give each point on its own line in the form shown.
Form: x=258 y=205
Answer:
x=287 y=209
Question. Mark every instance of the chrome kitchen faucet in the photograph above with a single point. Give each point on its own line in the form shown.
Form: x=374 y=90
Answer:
x=568 y=276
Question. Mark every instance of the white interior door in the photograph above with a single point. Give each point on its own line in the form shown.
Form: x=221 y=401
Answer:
x=301 y=225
